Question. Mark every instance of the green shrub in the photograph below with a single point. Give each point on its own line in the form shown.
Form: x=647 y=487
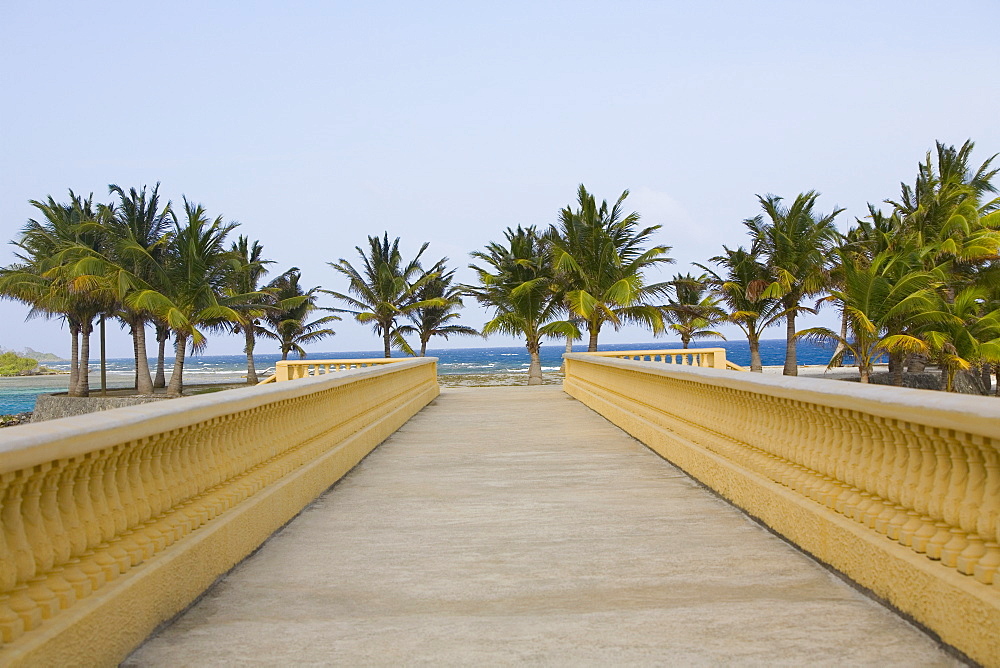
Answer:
x=12 y=365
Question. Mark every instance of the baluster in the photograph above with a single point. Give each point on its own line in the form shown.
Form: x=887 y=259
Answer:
x=869 y=465
x=925 y=490
x=939 y=496
x=959 y=490
x=988 y=518
x=11 y=624
x=39 y=540
x=891 y=522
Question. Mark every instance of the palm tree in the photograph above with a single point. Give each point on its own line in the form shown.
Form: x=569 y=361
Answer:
x=692 y=309
x=48 y=279
x=288 y=319
x=960 y=334
x=385 y=289
x=879 y=299
x=138 y=231
x=191 y=297
x=247 y=268
x=602 y=256
x=946 y=216
x=516 y=282
x=740 y=287
x=435 y=319
x=796 y=243
x=944 y=210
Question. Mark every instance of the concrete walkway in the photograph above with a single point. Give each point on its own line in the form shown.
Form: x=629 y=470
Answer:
x=515 y=526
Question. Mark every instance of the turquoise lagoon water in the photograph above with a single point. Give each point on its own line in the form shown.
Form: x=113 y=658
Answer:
x=18 y=394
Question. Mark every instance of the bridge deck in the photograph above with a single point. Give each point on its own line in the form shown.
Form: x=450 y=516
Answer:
x=514 y=525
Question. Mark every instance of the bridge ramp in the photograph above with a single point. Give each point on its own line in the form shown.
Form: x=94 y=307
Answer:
x=514 y=525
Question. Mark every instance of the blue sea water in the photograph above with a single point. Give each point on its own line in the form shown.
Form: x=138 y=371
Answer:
x=18 y=394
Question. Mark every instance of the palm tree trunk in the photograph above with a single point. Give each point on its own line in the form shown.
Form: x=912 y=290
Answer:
x=595 y=329
x=104 y=357
x=385 y=342
x=177 y=376
x=143 y=383
x=162 y=336
x=535 y=367
x=685 y=340
x=896 y=368
x=83 y=382
x=423 y=347
x=74 y=359
x=250 y=343
x=569 y=349
x=843 y=337
x=863 y=369
x=755 y=364
x=791 y=362
x=917 y=363
x=135 y=355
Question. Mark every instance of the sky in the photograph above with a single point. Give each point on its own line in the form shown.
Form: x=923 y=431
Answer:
x=316 y=124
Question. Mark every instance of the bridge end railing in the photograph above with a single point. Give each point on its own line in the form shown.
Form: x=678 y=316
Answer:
x=112 y=523
x=898 y=489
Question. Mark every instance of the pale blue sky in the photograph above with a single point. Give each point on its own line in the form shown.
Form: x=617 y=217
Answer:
x=315 y=124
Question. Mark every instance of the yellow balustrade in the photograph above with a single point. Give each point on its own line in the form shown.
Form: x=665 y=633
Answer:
x=713 y=358
x=112 y=523
x=293 y=369
x=898 y=489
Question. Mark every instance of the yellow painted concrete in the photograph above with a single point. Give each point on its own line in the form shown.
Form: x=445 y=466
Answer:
x=294 y=369
x=712 y=358
x=898 y=489
x=111 y=524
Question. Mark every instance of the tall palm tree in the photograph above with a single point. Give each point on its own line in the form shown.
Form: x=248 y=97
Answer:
x=879 y=298
x=436 y=318
x=945 y=212
x=48 y=279
x=740 y=286
x=516 y=282
x=692 y=309
x=602 y=254
x=947 y=215
x=191 y=297
x=796 y=242
x=384 y=290
x=139 y=231
x=247 y=268
x=962 y=332
x=288 y=320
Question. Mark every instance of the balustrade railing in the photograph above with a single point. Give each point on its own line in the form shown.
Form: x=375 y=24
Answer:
x=916 y=467
x=85 y=500
x=713 y=358
x=292 y=369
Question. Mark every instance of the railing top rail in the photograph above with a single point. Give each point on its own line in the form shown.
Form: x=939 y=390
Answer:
x=353 y=360
x=34 y=444
x=664 y=351
x=944 y=410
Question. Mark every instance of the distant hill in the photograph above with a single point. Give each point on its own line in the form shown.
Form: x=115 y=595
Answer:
x=35 y=355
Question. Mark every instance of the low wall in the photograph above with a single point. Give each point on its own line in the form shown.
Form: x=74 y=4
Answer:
x=113 y=523
x=898 y=489
x=55 y=406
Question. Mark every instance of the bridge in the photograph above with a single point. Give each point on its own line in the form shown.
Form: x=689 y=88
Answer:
x=507 y=525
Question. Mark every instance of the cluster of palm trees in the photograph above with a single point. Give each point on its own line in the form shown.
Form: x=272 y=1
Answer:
x=917 y=284
x=397 y=297
x=588 y=270
x=139 y=261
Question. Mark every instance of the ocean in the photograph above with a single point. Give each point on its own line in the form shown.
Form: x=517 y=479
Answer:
x=17 y=395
